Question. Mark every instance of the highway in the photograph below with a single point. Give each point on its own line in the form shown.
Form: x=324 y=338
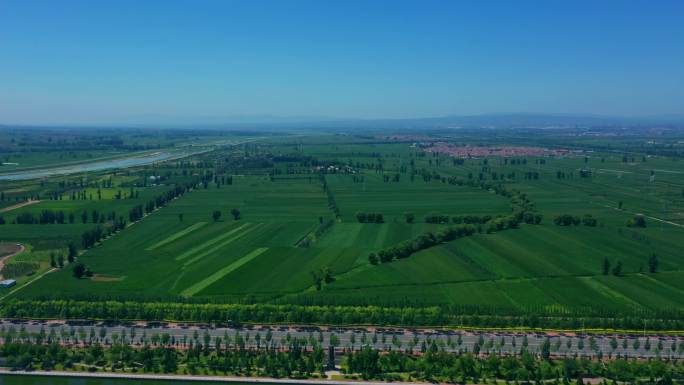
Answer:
x=181 y=335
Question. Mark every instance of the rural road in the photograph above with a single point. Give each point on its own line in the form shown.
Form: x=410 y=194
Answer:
x=646 y=216
x=672 y=346
x=19 y=205
x=6 y=257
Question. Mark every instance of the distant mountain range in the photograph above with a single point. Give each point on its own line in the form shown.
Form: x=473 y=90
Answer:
x=486 y=120
x=507 y=120
x=542 y=120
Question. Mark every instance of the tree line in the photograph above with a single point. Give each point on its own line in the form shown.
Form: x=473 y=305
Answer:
x=616 y=269
x=405 y=315
x=364 y=217
x=48 y=217
x=323 y=226
x=429 y=239
x=574 y=220
x=202 y=356
x=332 y=203
x=193 y=358
x=437 y=366
x=136 y=213
x=458 y=219
x=91 y=237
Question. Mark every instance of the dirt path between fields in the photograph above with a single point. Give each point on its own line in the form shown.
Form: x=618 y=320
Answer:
x=19 y=205
x=645 y=216
x=6 y=257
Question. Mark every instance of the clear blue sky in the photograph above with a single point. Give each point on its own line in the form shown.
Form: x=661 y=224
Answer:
x=103 y=61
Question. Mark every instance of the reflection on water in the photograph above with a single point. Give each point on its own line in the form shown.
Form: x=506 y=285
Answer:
x=98 y=165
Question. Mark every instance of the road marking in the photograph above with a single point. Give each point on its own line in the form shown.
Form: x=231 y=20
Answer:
x=644 y=215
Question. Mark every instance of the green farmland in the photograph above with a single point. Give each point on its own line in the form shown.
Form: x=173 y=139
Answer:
x=298 y=238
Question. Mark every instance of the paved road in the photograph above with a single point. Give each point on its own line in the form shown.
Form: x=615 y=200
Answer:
x=453 y=341
x=185 y=377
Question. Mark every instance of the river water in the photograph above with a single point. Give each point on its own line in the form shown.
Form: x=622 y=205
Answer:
x=132 y=161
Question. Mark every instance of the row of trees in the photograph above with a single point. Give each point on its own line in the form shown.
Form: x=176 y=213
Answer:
x=436 y=366
x=616 y=269
x=424 y=241
x=405 y=315
x=332 y=203
x=46 y=216
x=429 y=239
x=216 y=214
x=573 y=220
x=83 y=195
x=364 y=217
x=136 y=213
x=295 y=361
x=528 y=217
x=323 y=226
x=523 y=212
x=91 y=237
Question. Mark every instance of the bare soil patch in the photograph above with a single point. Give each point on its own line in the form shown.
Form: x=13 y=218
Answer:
x=106 y=278
x=18 y=206
x=9 y=250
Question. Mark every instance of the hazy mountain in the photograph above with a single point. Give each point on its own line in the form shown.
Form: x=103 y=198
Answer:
x=509 y=120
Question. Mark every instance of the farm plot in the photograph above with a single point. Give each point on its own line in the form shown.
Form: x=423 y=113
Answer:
x=540 y=267
x=282 y=270
x=394 y=199
x=258 y=199
x=183 y=250
x=180 y=249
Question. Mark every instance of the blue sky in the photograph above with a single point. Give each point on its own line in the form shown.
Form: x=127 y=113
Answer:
x=108 y=61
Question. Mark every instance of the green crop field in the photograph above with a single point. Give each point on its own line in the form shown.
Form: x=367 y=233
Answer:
x=298 y=239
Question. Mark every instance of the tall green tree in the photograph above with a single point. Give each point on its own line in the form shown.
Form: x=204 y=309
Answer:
x=216 y=215
x=79 y=270
x=653 y=263
x=617 y=269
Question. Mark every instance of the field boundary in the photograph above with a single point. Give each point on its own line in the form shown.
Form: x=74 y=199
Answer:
x=19 y=205
x=220 y=245
x=201 y=285
x=176 y=236
x=209 y=243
